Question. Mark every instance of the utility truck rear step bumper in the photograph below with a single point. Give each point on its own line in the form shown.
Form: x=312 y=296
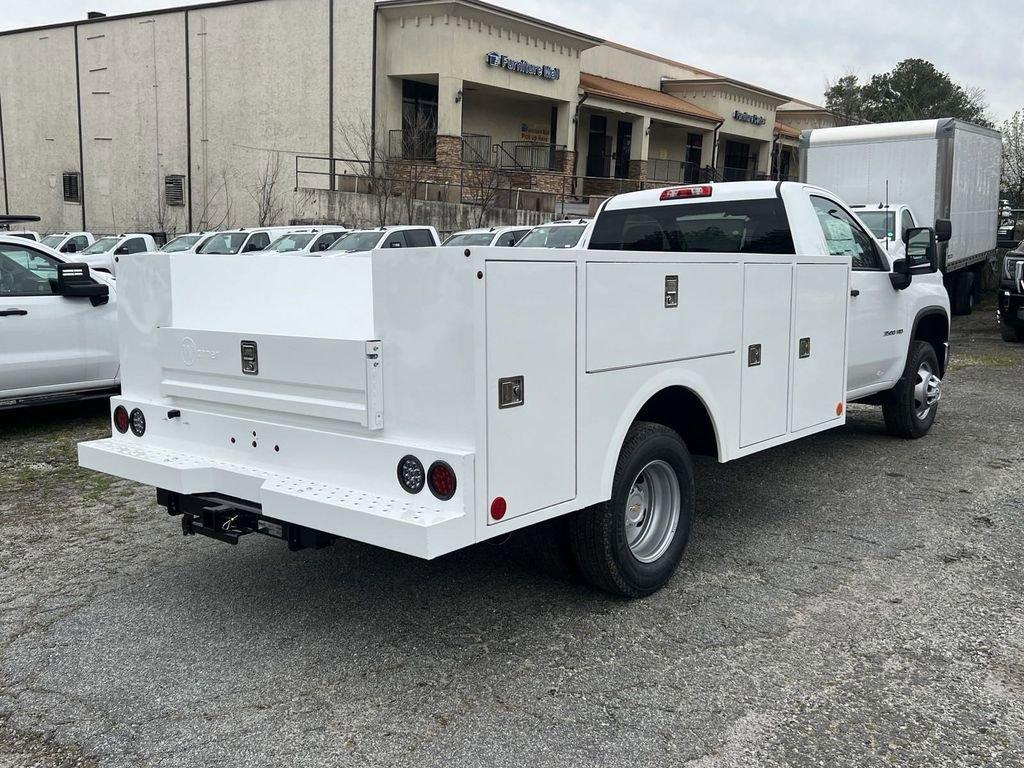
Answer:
x=412 y=525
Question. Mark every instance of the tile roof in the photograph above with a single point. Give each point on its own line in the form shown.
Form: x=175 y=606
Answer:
x=648 y=97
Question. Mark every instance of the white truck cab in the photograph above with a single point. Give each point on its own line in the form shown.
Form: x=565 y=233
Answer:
x=558 y=234
x=501 y=236
x=243 y=240
x=105 y=254
x=58 y=327
x=362 y=240
x=887 y=223
x=308 y=242
x=69 y=242
x=426 y=399
x=187 y=243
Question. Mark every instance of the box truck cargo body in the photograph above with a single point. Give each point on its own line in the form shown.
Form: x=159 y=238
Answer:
x=941 y=169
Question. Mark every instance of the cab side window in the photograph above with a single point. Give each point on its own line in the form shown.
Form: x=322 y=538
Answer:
x=323 y=242
x=394 y=240
x=419 y=238
x=258 y=242
x=906 y=222
x=81 y=243
x=136 y=245
x=26 y=272
x=844 y=236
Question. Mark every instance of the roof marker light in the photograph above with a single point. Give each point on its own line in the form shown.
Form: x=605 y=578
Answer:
x=683 y=193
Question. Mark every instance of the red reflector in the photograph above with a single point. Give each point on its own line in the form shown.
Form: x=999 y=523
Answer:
x=441 y=479
x=498 y=508
x=121 y=419
x=681 y=193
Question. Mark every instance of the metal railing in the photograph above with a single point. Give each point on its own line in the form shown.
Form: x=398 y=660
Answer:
x=530 y=155
x=412 y=144
x=477 y=148
x=678 y=171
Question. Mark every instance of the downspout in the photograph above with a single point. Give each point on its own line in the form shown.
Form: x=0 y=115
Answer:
x=575 y=144
x=373 y=97
x=714 y=150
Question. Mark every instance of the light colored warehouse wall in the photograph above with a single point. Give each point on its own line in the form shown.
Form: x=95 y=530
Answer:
x=37 y=87
x=133 y=121
x=259 y=76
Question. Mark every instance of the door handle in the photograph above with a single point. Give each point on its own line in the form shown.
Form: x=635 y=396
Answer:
x=9 y=312
x=855 y=293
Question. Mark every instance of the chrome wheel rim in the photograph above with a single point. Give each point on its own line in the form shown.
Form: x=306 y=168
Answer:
x=652 y=511
x=927 y=391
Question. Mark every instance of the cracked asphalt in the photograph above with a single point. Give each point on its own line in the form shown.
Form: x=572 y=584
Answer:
x=850 y=599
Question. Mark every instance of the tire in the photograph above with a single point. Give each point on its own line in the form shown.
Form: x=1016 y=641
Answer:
x=962 y=296
x=655 y=469
x=1010 y=333
x=906 y=409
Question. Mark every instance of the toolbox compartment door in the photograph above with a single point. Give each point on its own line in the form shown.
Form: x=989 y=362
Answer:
x=764 y=356
x=531 y=343
x=819 y=325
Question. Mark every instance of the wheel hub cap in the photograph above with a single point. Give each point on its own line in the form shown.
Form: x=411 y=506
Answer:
x=927 y=391
x=652 y=511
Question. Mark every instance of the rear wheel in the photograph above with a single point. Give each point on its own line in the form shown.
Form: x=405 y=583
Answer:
x=962 y=297
x=911 y=405
x=631 y=544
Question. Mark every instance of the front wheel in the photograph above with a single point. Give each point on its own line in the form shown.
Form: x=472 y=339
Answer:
x=1010 y=332
x=911 y=405
x=631 y=544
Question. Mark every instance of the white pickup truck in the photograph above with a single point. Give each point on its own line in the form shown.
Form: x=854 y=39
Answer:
x=426 y=399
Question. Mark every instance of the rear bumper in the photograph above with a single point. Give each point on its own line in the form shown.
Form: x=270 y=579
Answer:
x=412 y=525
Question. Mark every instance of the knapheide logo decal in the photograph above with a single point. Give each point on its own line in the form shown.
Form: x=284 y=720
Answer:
x=190 y=351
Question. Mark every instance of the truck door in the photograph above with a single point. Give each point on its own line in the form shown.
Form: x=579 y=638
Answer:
x=47 y=341
x=877 y=338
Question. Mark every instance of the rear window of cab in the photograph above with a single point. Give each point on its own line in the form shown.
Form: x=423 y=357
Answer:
x=744 y=226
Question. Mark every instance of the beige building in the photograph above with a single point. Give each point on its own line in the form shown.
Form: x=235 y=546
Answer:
x=221 y=113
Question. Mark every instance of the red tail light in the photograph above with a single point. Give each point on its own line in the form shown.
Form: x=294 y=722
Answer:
x=121 y=419
x=441 y=479
x=682 y=193
x=498 y=508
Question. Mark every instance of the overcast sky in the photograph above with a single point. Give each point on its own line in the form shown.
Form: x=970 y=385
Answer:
x=793 y=47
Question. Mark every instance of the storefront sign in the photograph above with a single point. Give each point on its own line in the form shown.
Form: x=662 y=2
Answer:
x=535 y=133
x=522 y=66
x=746 y=117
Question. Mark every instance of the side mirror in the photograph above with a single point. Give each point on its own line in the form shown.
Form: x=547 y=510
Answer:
x=69 y=247
x=73 y=281
x=943 y=230
x=922 y=252
x=122 y=250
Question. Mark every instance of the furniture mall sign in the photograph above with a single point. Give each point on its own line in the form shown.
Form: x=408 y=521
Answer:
x=746 y=117
x=495 y=59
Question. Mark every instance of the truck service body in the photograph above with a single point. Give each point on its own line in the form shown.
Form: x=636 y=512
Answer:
x=426 y=399
x=940 y=169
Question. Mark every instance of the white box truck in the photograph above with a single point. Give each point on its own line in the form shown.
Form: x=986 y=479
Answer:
x=426 y=399
x=940 y=169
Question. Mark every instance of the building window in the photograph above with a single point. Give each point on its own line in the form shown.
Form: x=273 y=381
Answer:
x=72 y=184
x=174 y=190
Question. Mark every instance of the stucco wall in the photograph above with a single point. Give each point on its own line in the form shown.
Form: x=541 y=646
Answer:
x=260 y=92
x=632 y=67
x=37 y=87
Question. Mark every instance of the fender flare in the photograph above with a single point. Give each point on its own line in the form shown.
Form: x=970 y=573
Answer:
x=642 y=396
x=929 y=312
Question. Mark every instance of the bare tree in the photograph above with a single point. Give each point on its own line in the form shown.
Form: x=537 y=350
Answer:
x=208 y=219
x=368 y=161
x=483 y=186
x=1013 y=158
x=265 y=193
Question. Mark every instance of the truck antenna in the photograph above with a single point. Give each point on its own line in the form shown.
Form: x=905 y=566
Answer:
x=887 y=215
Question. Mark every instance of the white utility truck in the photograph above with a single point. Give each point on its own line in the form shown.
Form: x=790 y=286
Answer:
x=426 y=399
x=940 y=169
